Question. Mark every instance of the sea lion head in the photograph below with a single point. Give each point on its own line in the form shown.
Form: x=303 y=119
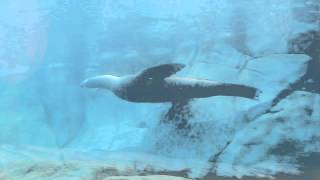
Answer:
x=101 y=82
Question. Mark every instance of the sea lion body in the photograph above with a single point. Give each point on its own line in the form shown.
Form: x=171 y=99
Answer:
x=174 y=89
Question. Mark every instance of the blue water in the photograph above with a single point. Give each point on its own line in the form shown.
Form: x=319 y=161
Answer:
x=47 y=48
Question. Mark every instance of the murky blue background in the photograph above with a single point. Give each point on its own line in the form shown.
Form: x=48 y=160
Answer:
x=48 y=47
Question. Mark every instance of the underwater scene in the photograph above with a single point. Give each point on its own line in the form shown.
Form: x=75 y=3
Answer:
x=159 y=89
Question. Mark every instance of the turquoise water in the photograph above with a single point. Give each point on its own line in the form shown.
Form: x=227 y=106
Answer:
x=52 y=128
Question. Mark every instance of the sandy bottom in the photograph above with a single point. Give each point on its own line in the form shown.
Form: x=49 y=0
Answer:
x=41 y=164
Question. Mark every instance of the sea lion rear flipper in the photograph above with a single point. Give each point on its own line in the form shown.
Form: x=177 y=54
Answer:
x=228 y=89
x=161 y=71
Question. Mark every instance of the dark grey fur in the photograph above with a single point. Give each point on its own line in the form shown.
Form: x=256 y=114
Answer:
x=153 y=86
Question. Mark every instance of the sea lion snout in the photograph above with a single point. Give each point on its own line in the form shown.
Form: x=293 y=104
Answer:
x=100 y=82
x=89 y=83
x=83 y=83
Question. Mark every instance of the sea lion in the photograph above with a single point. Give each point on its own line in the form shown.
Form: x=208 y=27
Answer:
x=156 y=84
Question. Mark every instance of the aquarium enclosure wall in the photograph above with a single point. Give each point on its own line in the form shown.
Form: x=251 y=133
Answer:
x=159 y=89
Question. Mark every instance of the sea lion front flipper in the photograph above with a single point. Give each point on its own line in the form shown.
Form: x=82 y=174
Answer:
x=161 y=71
x=178 y=115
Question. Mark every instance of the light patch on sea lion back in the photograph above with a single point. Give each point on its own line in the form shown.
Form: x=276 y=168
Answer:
x=191 y=81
